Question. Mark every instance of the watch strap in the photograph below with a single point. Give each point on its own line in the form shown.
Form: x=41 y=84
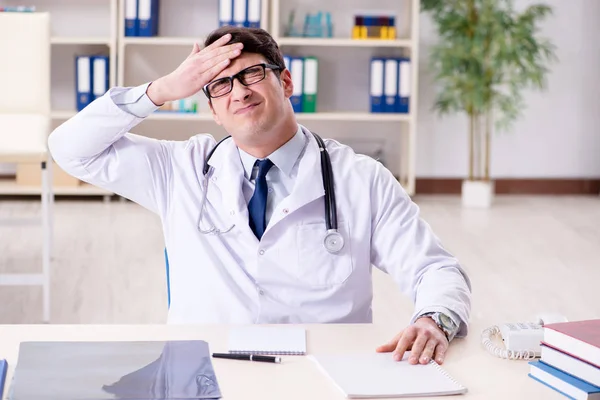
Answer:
x=444 y=322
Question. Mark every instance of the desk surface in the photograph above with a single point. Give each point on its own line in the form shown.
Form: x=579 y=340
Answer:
x=485 y=376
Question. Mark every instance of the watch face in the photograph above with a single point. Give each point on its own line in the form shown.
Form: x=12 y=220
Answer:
x=446 y=321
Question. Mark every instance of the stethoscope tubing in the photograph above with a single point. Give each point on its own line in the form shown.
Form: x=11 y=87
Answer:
x=333 y=241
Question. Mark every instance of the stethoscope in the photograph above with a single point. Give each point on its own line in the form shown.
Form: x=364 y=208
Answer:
x=333 y=241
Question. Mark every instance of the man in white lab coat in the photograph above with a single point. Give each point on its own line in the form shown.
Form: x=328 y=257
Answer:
x=255 y=252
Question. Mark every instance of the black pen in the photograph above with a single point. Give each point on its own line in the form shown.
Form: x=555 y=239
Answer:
x=248 y=357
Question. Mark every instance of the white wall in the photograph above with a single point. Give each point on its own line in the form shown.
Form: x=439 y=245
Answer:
x=559 y=134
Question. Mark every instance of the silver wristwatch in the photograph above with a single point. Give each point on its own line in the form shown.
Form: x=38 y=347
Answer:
x=444 y=322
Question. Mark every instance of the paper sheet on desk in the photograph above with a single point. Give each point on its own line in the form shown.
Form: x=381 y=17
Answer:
x=114 y=370
x=373 y=375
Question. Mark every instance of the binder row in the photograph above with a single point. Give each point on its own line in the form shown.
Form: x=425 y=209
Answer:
x=304 y=71
x=91 y=78
x=243 y=13
x=390 y=84
x=141 y=17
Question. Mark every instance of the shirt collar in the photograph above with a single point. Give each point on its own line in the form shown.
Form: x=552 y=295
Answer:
x=283 y=158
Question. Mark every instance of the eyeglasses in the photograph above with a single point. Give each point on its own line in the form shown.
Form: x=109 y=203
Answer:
x=248 y=76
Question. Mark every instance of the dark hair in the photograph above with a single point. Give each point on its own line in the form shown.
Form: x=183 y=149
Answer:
x=255 y=40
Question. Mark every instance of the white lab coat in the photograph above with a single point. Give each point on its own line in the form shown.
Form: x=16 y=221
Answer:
x=287 y=277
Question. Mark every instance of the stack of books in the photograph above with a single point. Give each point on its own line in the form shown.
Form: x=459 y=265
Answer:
x=374 y=27
x=570 y=359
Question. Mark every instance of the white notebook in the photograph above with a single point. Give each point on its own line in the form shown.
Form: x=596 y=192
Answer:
x=267 y=340
x=373 y=375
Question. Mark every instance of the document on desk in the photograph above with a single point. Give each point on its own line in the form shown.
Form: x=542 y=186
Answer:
x=376 y=375
x=267 y=340
x=114 y=370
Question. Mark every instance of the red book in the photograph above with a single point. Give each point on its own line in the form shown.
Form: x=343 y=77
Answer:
x=578 y=338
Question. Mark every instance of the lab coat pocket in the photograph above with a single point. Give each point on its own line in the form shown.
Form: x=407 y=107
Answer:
x=316 y=266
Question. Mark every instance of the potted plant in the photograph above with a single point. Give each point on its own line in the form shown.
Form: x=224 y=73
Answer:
x=487 y=54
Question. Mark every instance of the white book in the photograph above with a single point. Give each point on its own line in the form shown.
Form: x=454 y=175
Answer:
x=378 y=375
x=267 y=340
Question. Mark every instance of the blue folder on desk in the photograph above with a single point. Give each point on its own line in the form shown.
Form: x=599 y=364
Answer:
x=3 y=372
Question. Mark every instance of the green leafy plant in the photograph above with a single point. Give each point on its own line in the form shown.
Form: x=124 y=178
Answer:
x=487 y=54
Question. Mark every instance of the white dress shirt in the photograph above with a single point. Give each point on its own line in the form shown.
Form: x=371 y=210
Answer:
x=287 y=276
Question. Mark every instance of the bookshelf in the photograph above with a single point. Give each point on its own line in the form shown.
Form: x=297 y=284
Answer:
x=343 y=110
x=343 y=59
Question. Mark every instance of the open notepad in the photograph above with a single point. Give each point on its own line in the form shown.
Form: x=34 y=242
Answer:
x=373 y=375
x=267 y=340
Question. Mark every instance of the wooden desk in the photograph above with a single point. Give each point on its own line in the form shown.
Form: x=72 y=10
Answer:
x=297 y=377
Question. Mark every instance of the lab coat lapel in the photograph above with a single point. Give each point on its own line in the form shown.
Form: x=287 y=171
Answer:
x=309 y=182
x=228 y=176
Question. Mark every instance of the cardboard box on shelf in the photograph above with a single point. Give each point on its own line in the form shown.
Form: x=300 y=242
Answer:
x=30 y=174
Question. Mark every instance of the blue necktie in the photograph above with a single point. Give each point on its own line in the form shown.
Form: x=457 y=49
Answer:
x=258 y=203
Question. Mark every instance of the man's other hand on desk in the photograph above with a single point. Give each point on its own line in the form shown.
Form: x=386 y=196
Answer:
x=424 y=339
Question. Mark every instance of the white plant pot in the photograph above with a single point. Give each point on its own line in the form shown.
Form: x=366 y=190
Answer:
x=477 y=194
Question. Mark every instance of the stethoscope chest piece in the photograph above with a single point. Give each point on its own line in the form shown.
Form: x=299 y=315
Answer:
x=334 y=242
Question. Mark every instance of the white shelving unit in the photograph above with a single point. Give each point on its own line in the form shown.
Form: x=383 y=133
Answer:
x=81 y=40
x=78 y=27
x=343 y=97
